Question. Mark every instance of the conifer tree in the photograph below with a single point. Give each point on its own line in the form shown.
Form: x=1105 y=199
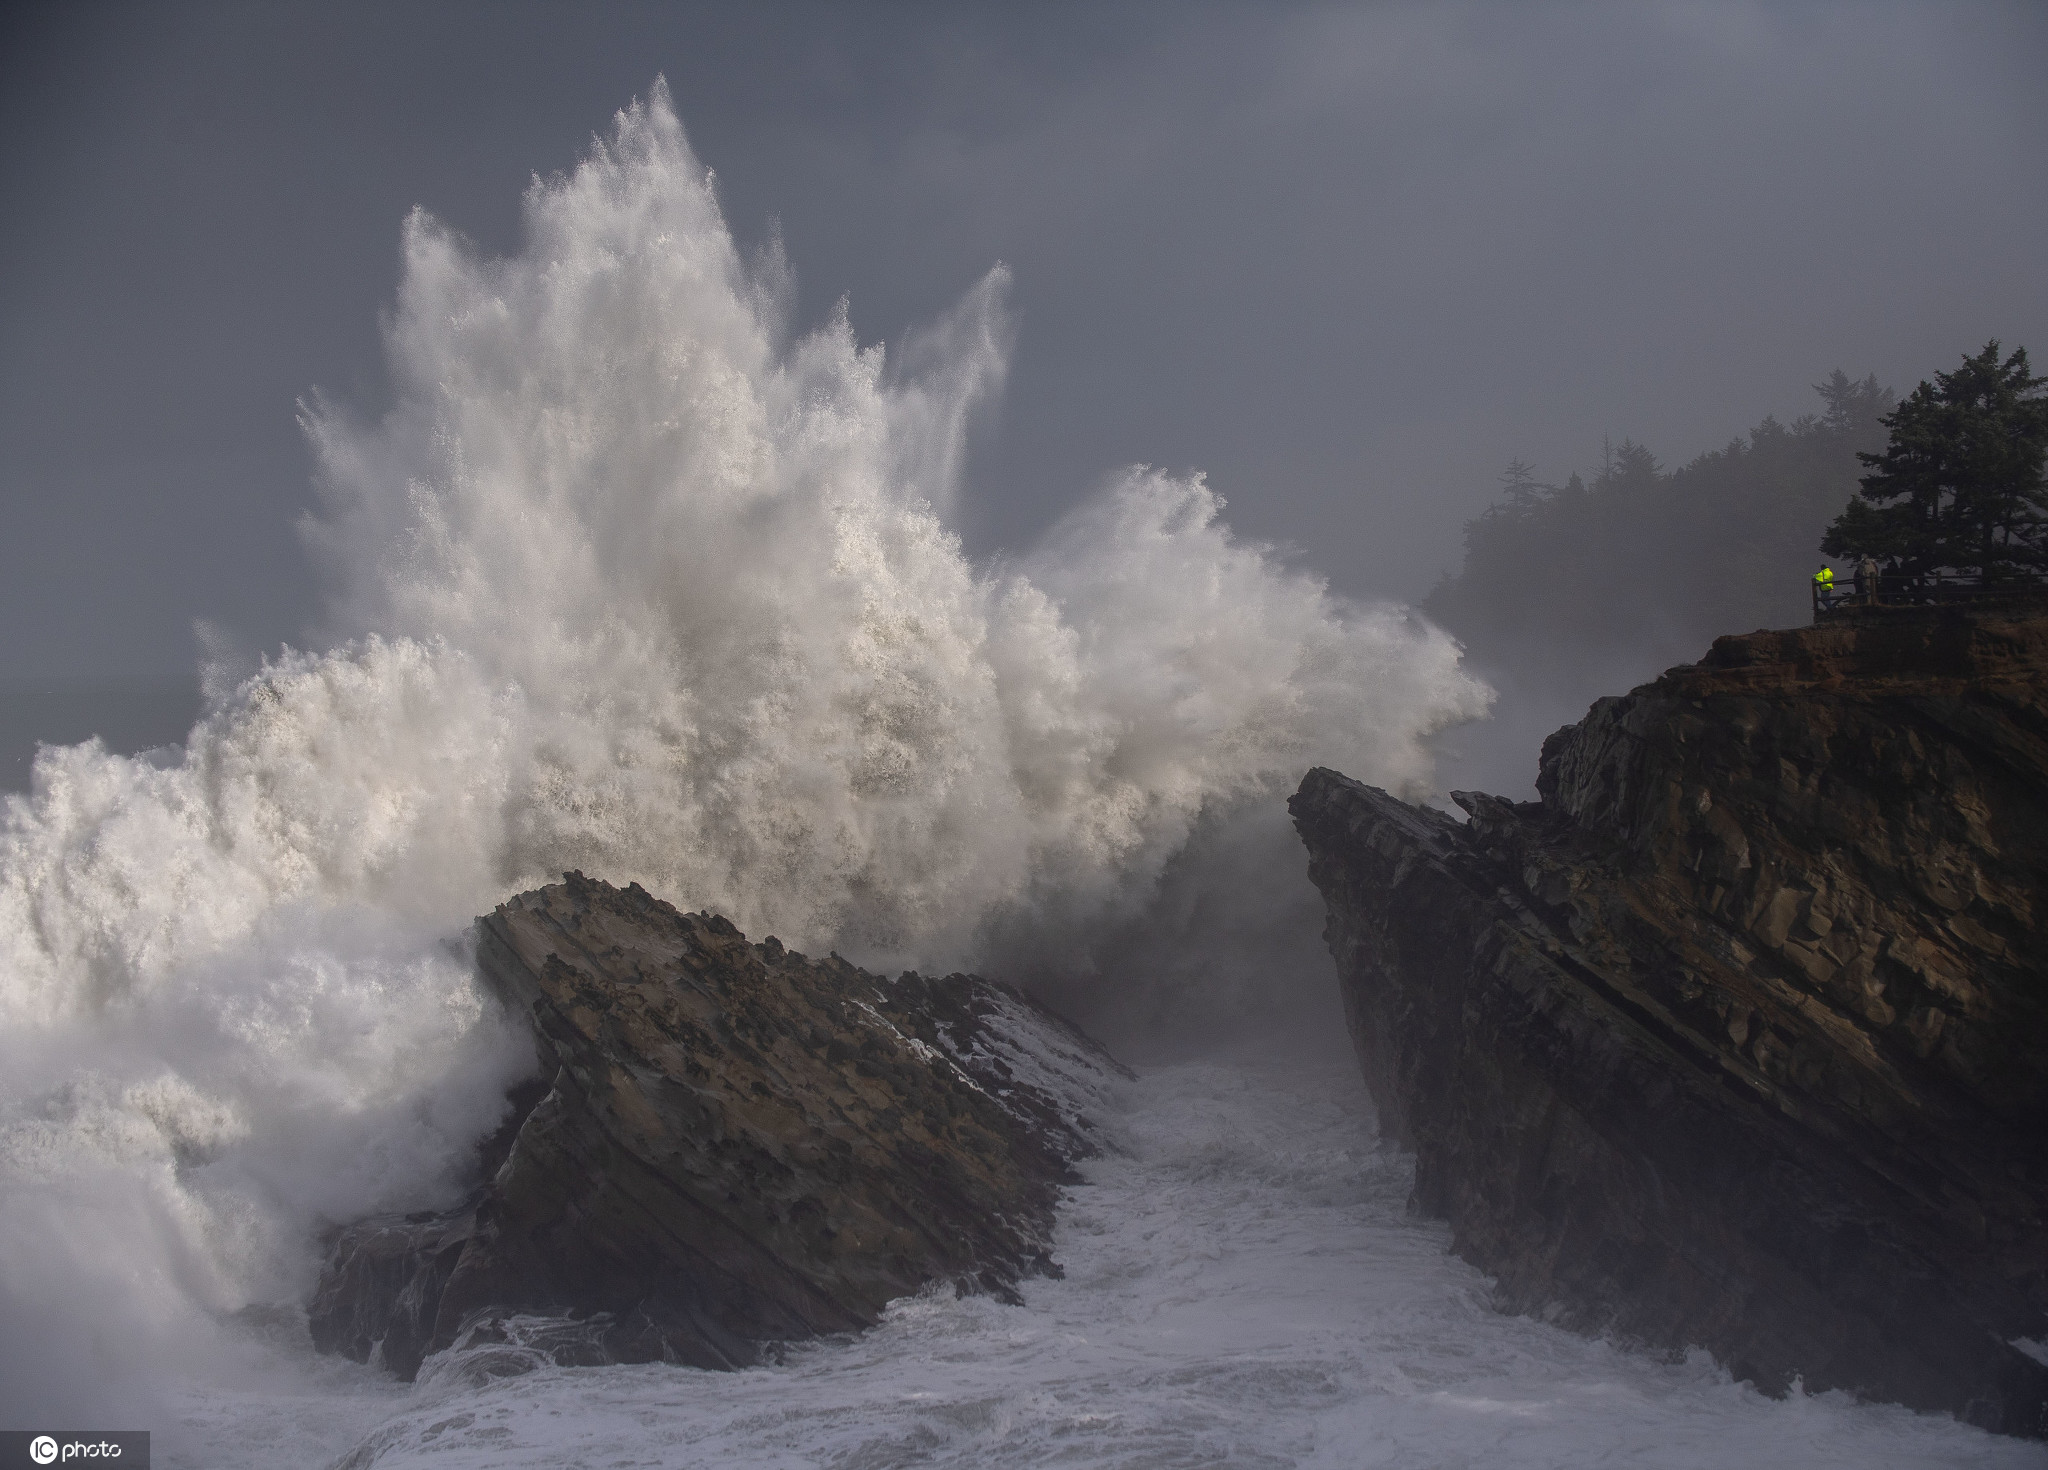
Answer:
x=1960 y=487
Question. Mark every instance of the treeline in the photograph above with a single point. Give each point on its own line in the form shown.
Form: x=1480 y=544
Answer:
x=1640 y=562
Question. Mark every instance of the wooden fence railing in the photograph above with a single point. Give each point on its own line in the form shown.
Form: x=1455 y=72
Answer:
x=1903 y=589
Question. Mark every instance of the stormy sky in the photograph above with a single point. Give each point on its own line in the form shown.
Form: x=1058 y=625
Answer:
x=1348 y=259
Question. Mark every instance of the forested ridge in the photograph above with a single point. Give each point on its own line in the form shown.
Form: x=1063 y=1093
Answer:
x=1641 y=564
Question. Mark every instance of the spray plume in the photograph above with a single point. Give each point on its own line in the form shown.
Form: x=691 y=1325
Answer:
x=628 y=580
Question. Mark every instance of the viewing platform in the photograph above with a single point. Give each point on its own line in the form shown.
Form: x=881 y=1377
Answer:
x=1902 y=592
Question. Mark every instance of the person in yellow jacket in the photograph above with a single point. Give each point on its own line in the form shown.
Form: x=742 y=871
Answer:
x=1824 y=588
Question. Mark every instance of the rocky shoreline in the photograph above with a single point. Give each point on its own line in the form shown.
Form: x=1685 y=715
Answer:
x=729 y=1145
x=1738 y=1037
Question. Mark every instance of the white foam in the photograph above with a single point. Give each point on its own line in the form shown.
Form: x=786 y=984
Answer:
x=630 y=581
x=1244 y=1286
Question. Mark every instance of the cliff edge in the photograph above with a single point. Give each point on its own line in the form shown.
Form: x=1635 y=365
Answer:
x=1738 y=1036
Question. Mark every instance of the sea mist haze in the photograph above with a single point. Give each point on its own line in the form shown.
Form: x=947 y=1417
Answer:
x=640 y=576
x=631 y=580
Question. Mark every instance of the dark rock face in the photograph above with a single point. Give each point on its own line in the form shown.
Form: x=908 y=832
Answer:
x=1739 y=1036
x=736 y=1145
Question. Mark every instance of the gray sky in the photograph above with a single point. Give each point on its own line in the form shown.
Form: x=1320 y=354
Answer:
x=1347 y=259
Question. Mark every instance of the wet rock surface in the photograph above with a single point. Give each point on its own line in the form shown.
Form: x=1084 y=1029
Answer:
x=732 y=1145
x=1738 y=1037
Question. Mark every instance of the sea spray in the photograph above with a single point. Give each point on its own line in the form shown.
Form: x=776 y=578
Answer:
x=628 y=580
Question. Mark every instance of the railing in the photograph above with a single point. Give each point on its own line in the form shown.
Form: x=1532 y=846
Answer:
x=1907 y=589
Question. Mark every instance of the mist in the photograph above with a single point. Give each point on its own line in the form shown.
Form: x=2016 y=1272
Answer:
x=634 y=576
x=1347 y=261
x=925 y=486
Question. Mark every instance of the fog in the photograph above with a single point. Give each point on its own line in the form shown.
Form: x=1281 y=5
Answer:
x=922 y=481
x=1348 y=261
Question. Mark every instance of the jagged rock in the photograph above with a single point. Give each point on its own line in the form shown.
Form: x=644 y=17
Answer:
x=1739 y=1036
x=736 y=1145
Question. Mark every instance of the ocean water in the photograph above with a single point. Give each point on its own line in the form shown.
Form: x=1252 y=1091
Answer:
x=1244 y=1287
x=636 y=577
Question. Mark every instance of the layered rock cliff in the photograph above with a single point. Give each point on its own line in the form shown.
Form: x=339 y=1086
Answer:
x=731 y=1144
x=1738 y=1037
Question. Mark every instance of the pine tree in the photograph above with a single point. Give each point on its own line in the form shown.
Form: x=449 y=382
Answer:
x=1960 y=487
x=1850 y=403
x=1521 y=493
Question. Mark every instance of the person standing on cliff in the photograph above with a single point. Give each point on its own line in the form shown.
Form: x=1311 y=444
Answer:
x=1824 y=589
x=1866 y=580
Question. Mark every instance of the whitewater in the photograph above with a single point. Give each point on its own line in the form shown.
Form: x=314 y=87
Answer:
x=634 y=577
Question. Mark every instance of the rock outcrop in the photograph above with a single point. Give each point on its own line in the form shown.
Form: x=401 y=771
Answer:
x=732 y=1145
x=1738 y=1037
